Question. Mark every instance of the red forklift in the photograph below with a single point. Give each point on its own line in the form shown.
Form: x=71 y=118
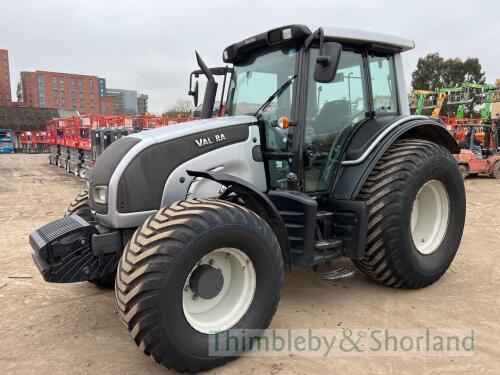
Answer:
x=479 y=156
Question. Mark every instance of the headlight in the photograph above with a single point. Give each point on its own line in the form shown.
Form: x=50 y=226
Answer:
x=100 y=194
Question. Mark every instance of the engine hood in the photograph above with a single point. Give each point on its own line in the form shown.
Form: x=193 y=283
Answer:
x=134 y=169
x=186 y=128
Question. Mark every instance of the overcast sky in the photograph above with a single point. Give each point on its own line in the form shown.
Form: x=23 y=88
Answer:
x=149 y=45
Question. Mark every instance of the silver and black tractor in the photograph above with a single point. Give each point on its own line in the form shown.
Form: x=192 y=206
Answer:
x=316 y=157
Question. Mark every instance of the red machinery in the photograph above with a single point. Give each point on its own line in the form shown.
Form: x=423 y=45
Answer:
x=76 y=142
x=479 y=156
x=34 y=142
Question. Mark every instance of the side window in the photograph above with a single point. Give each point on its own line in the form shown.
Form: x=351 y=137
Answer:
x=383 y=79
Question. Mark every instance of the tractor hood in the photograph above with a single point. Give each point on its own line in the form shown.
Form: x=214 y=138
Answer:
x=130 y=175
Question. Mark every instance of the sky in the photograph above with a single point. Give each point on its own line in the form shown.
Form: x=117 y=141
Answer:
x=149 y=45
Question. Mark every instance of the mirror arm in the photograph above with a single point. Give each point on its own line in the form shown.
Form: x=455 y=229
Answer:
x=323 y=60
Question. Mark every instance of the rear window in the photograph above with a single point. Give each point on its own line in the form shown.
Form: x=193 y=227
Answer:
x=383 y=79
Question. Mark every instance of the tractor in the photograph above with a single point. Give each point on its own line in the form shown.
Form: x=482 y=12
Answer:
x=316 y=158
x=479 y=150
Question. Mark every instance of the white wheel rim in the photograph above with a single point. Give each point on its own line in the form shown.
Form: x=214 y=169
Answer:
x=429 y=217
x=222 y=312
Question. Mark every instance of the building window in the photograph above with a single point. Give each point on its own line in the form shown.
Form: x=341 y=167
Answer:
x=80 y=86
x=41 y=90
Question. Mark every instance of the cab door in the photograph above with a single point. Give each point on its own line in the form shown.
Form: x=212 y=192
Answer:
x=332 y=110
x=364 y=86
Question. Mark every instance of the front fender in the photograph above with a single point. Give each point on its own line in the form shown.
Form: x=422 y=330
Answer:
x=255 y=200
x=368 y=145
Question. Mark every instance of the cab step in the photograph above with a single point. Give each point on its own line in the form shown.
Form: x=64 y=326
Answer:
x=341 y=273
x=330 y=244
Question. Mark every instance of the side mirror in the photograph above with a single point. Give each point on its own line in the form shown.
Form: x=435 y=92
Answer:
x=194 y=94
x=327 y=62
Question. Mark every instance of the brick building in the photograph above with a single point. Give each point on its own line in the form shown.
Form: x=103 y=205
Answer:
x=63 y=91
x=5 y=95
x=142 y=104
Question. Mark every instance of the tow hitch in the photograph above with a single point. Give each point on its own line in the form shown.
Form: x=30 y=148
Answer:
x=70 y=250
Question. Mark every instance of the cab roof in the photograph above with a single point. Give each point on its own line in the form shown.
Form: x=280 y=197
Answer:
x=294 y=34
x=357 y=36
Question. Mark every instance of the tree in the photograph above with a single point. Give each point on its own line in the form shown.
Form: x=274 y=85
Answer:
x=181 y=108
x=433 y=71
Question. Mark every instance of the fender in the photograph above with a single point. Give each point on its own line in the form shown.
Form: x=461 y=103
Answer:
x=255 y=200
x=368 y=144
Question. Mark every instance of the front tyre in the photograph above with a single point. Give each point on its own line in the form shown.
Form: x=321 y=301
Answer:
x=80 y=206
x=416 y=202
x=195 y=269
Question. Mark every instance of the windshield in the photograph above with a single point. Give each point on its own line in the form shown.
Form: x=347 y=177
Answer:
x=253 y=82
x=257 y=78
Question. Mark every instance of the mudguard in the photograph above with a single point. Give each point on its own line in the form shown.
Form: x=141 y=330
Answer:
x=255 y=200
x=369 y=143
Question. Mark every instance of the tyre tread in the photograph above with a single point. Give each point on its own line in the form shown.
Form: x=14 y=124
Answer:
x=400 y=162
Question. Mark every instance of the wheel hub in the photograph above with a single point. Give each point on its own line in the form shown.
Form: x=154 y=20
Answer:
x=219 y=290
x=206 y=281
x=429 y=217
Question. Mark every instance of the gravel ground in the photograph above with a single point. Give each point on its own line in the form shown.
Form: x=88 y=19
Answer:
x=74 y=329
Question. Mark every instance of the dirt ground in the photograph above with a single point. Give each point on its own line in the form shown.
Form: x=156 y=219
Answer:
x=74 y=329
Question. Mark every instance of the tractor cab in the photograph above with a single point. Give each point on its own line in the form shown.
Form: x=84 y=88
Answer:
x=310 y=91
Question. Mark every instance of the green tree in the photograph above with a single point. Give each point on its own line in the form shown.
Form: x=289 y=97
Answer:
x=433 y=71
x=182 y=108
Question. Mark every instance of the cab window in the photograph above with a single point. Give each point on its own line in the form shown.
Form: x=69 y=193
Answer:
x=383 y=81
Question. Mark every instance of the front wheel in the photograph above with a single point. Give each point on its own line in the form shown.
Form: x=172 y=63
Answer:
x=198 y=272
x=416 y=201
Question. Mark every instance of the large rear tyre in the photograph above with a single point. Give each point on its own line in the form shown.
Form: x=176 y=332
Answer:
x=192 y=272
x=80 y=206
x=416 y=202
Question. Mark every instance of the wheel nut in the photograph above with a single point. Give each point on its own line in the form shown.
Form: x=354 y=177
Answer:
x=211 y=262
x=195 y=296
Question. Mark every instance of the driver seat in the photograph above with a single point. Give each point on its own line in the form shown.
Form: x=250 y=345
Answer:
x=332 y=117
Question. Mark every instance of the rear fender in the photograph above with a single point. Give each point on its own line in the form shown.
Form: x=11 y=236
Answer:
x=355 y=170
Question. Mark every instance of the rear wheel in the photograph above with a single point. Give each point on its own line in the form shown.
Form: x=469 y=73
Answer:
x=495 y=173
x=416 y=202
x=192 y=272
x=80 y=206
